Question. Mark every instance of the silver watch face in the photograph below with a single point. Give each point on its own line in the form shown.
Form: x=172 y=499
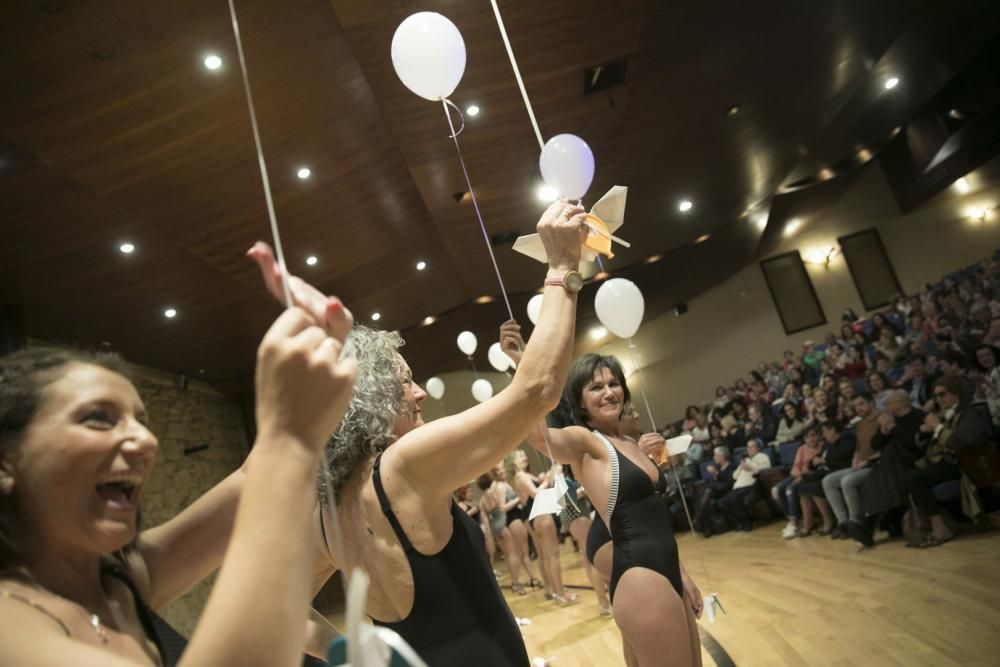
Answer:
x=573 y=281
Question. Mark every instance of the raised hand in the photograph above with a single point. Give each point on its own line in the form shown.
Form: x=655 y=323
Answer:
x=511 y=341
x=563 y=232
x=326 y=312
x=303 y=387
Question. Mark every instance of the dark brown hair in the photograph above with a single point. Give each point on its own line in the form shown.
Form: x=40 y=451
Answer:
x=24 y=376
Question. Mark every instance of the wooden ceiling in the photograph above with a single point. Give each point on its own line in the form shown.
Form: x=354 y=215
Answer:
x=111 y=130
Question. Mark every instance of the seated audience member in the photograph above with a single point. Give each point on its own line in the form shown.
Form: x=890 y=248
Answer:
x=955 y=425
x=845 y=394
x=789 y=425
x=895 y=444
x=835 y=356
x=719 y=484
x=759 y=424
x=822 y=409
x=689 y=417
x=699 y=431
x=878 y=387
x=917 y=380
x=790 y=394
x=786 y=493
x=879 y=322
x=721 y=398
x=788 y=361
x=917 y=329
x=992 y=336
x=776 y=378
x=836 y=453
x=988 y=380
x=736 y=504
x=887 y=370
x=811 y=357
x=828 y=383
x=842 y=488
x=856 y=365
x=888 y=345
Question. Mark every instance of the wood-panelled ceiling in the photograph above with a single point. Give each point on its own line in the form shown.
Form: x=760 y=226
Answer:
x=111 y=130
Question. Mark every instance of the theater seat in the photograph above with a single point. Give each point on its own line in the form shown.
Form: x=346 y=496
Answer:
x=948 y=490
x=787 y=453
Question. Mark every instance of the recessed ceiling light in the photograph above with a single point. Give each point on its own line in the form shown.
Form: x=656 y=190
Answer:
x=127 y=248
x=213 y=62
x=685 y=205
x=170 y=313
x=421 y=265
x=865 y=154
x=891 y=82
x=312 y=260
x=956 y=114
x=825 y=174
x=732 y=111
x=472 y=110
x=303 y=173
x=602 y=275
x=760 y=219
x=792 y=226
x=546 y=193
x=653 y=258
x=484 y=299
x=597 y=333
x=430 y=319
x=977 y=213
x=962 y=185
x=376 y=317
x=702 y=238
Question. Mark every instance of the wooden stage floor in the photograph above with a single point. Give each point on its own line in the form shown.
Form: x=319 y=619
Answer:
x=811 y=601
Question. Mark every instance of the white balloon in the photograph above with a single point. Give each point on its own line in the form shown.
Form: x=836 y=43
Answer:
x=535 y=308
x=619 y=307
x=498 y=358
x=567 y=164
x=428 y=54
x=482 y=390
x=435 y=387
x=467 y=343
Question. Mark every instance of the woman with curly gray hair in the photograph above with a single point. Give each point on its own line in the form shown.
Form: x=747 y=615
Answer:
x=392 y=475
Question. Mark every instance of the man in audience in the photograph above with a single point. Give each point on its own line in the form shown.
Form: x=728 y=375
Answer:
x=955 y=425
x=842 y=488
x=917 y=381
x=760 y=424
x=895 y=443
x=719 y=483
x=736 y=504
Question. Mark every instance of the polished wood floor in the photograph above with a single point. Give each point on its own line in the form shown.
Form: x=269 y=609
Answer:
x=810 y=601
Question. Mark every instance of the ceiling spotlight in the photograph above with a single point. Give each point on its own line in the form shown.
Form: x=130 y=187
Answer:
x=956 y=114
x=891 y=82
x=825 y=174
x=684 y=206
x=703 y=238
x=484 y=299
x=597 y=333
x=213 y=62
x=652 y=259
x=170 y=313
x=962 y=185
x=376 y=317
x=546 y=193
x=303 y=173
x=421 y=265
x=472 y=110
x=792 y=226
x=732 y=111
x=127 y=248
x=312 y=260
x=430 y=319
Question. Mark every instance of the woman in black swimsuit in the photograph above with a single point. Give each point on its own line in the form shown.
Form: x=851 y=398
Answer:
x=655 y=603
x=78 y=582
x=392 y=476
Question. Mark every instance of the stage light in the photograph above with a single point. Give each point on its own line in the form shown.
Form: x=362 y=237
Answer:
x=213 y=62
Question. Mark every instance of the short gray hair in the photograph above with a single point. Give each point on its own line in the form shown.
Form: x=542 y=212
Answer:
x=367 y=426
x=724 y=451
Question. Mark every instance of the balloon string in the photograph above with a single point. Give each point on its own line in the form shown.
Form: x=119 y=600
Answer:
x=649 y=411
x=280 y=256
x=475 y=205
x=475 y=372
x=517 y=75
x=260 y=159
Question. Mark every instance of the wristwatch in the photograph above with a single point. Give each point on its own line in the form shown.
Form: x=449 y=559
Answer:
x=571 y=281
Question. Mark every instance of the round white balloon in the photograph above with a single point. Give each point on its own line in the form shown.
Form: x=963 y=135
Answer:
x=619 y=305
x=535 y=308
x=482 y=390
x=498 y=358
x=428 y=54
x=567 y=164
x=467 y=343
x=435 y=387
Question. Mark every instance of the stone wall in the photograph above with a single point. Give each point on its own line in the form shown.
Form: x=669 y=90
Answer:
x=187 y=418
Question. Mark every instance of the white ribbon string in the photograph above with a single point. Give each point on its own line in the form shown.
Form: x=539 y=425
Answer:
x=517 y=75
x=331 y=506
x=649 y=411
x=475 y=203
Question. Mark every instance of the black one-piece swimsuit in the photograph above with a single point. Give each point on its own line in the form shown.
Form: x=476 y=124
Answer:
x=642 y=531
x=459 y=616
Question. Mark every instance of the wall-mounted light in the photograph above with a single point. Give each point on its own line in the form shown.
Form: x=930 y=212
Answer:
x=821 y=256
x=979 y=213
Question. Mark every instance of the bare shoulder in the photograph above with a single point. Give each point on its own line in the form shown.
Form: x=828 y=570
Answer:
x=585 y=441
